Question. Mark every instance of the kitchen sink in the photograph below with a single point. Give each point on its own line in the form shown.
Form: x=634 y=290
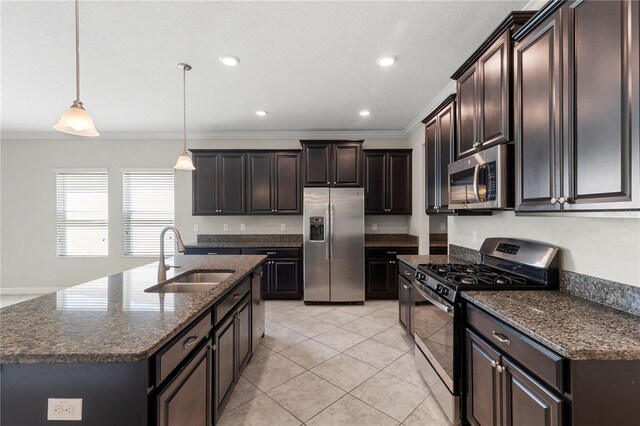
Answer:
x=192 y=282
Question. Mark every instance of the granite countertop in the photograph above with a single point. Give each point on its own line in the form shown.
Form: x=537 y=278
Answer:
x=111 y=319
x=575 y=328
x=390 y=240
x=414 y=260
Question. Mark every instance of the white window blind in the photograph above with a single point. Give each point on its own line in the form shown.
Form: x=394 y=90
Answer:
x=82 y=214
x=147 y=201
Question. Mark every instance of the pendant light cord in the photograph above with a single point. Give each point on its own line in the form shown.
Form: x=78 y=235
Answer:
x=184 y=106
x=78 y=50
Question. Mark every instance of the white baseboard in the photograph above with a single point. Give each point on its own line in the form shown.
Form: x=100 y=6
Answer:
x=28 y=290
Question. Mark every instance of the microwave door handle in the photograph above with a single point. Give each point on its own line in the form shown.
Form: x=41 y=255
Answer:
x=476 y=175
x=435 y=302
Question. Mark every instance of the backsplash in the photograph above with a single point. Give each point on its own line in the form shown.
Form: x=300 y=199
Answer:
x=620 y=296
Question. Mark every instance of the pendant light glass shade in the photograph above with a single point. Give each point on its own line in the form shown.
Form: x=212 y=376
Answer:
x=184 y=161
x=76 y=121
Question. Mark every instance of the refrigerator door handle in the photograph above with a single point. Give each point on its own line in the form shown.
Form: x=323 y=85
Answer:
x=327 y=240
x=331 y=231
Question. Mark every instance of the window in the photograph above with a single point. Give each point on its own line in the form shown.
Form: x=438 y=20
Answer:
x=147 y=207
x=82 y=213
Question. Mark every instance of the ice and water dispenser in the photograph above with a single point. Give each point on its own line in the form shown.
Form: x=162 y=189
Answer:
x=316 y=223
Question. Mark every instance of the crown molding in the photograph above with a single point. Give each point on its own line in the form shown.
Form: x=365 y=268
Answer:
x=448 y=90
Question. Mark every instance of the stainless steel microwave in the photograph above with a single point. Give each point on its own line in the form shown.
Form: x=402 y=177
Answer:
x=483 y=180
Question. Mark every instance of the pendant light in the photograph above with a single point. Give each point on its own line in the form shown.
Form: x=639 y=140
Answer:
x=75 y=120
x=184 y=161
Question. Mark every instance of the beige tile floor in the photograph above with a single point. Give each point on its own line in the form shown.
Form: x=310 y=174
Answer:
x=332 y=365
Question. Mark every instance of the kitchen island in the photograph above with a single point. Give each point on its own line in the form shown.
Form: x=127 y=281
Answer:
x=119 y=348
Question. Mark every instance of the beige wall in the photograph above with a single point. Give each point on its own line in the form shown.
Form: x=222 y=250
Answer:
x=27 y=208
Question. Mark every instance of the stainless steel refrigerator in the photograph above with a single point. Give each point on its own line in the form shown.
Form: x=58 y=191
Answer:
x=333 y=244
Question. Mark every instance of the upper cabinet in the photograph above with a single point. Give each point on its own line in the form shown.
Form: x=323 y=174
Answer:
x=332 y=163
x=484 y=84
x=273 y=183
x=246 y=182
x=218 y=183
x=440 y=137
x=577 y=102
x=387 y=181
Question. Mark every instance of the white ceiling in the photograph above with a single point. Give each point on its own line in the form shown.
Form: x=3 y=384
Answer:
x=312 y=65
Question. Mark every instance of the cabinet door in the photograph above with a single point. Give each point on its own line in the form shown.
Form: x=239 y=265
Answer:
x=288 y=191
x=187 y=399
x=286 y=279
x=399 y=182
x=483 y=385
x=601 y=147
x=347 y=163
x=537 y=118
x=446 y=142
x=231 y=183
x=267 y=269
x=432 y=165
x=494 y=92
x=225 y=363
x=527 y=402
x=316 y=164
x=243 y=327
x=375 y=178
x=379 y=282
x=260 y=183
x=467 y=114
x=205 y=178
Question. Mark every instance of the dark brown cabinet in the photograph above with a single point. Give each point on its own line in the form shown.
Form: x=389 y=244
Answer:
x=576 y=143
x=332 y=163
x=483 y=385
x=186 y=400
x=283 y=272
x=243 y=322
x=218 y=183
x=387 y=181
x=225 y=363
x=381 y=271
x=273 y=183
x=439 y=142
x=484 y=90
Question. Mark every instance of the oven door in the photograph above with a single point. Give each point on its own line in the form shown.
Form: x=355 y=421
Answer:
x=434 y=331
x=480 y=181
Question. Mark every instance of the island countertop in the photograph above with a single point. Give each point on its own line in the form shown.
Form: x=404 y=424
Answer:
x=575 y=328
x=111 y=319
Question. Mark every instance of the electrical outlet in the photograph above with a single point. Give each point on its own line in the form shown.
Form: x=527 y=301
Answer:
x=374 y=226
x=443 y=226
x=64 y=409
x=225 y=226
x=196 y=227
x=283 y=226
x=474 y=236
x=242 y=226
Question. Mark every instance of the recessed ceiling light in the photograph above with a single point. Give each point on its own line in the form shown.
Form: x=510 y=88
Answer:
x=385 y=61
x=261 y=113
x=229 y=60
x=365 y=113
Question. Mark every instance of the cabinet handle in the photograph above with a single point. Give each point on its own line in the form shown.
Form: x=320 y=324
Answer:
x=212 y=253
x=553 y=200
x=407 y=273
x=271 y=252
x=392 y=252
x=328 y=182
x=190 y=341
x=214 y=347
x=563 y=200
x=500 y=338
x=236 y=296
x=406 y=287
x=493 y=364
x=500 y=368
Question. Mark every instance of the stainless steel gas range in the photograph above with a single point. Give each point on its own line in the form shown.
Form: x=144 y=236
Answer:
x=506 y=264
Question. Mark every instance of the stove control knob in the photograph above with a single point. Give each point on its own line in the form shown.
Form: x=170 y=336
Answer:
x=445 y=291
x=439 y=288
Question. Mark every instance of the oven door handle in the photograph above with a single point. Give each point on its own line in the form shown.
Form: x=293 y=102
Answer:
x=436 y=303
x=476 y=175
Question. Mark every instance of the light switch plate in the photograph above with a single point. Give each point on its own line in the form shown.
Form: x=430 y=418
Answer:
x=225 y=227
x=242 y=227
x=195 y=227
x=374 y=227
x=283 y=226
x=64 y=409
x=443 y=226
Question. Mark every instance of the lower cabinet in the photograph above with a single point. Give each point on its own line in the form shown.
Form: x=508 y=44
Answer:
x=381 y=271
x=186 y=400
x=283 y=272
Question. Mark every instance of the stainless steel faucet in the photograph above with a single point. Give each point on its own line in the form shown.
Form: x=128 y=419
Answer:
x=163 y=267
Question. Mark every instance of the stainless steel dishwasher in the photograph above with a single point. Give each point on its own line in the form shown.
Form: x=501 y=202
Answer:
x=257 y=308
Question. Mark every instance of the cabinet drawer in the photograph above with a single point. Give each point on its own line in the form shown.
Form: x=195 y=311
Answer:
x=544 y=363
x=390 y=251
x=227 y=303
x=406 y=271
x=273 y=253
x=212 y=250
x=173 y=353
